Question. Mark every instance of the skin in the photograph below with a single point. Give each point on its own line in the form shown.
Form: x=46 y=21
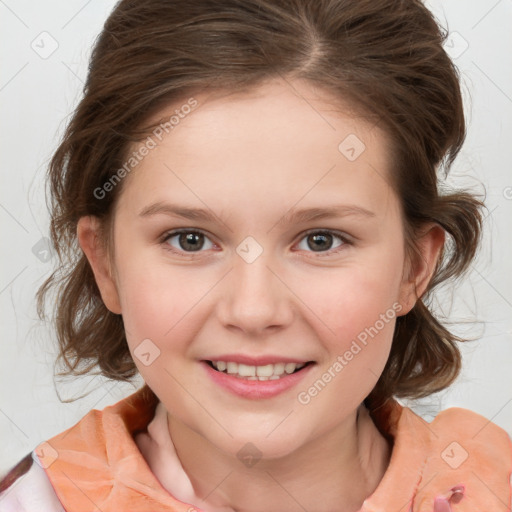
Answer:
x=250 y=158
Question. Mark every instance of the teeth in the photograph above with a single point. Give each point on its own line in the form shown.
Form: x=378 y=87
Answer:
x=289 y=367
x=266 y=372
x=232 y=367
x=279 y=369
x=246 y=371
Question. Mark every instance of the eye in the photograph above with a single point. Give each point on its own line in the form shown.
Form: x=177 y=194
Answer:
x=186 y=240
x=190 y=241
x=321 y=241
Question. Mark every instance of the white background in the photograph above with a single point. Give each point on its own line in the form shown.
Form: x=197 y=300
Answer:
x=37 y=96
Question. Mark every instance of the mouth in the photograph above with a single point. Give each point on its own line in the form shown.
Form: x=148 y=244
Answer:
x=274 y=371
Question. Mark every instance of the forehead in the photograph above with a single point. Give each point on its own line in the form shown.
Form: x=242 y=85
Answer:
x=294 y=109
x=282 y=142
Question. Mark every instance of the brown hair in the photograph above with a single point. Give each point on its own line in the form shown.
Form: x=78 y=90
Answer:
x=386 y=58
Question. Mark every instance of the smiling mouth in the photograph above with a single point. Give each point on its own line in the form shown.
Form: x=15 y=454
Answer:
x=274 y=371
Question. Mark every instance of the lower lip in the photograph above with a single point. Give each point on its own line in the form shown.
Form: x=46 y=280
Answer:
x=256 y=388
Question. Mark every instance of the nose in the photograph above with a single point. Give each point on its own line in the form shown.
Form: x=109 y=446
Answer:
x=254 y=298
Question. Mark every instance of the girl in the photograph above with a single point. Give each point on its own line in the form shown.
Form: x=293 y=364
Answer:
x=218 y=146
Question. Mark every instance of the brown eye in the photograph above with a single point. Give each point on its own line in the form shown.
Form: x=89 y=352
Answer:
x=186 y=241
x=322 y=241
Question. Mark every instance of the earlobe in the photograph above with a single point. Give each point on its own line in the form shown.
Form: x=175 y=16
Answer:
x=88 y=233
x=421 y=270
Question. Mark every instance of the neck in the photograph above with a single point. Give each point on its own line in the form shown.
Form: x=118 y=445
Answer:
x=343 y=467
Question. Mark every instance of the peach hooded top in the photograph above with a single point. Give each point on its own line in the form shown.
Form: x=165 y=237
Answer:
x=459 y=462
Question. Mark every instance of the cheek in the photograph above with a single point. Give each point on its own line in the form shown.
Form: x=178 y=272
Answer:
x=361 y=309
x=350 y=301
x=158 y=302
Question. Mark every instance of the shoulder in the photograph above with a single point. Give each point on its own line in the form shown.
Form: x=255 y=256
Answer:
x=468 y=456
x=473 y=436
x=105 y=438
x=460 y=417
x=26 y=488
x=460 y=457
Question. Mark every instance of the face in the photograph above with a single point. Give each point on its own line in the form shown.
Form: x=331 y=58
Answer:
x=258 y=283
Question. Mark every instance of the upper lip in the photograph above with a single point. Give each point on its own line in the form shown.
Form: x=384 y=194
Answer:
x=256 y=360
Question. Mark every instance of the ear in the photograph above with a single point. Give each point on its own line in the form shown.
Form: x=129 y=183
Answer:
x=88 y=232
x=419 y=271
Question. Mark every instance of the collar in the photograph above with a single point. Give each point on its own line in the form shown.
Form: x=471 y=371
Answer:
x=459 y=457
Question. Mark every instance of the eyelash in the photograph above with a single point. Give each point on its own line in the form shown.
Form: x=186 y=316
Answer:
x=346 y=241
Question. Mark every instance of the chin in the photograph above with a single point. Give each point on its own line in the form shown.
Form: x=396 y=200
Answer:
x=259 y=447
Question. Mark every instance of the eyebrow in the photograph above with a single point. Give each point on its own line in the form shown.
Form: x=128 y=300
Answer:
x=292 y=216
